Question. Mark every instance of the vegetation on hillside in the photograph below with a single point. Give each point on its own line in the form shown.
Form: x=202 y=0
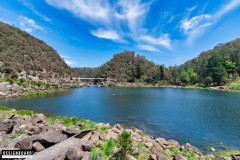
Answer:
x=215 y=67
x=23 y=54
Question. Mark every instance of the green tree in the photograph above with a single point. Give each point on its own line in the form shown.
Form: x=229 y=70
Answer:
x=161 y=72
x=184 y=77
x=188 y=77
x=139 y=71
x=216 y=70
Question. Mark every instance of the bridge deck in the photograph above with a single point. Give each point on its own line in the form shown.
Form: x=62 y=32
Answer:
x=91 y=78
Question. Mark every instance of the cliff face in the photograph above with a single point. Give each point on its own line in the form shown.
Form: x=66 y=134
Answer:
x=22 y=54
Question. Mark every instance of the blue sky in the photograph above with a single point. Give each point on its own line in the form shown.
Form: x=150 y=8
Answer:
x=89 y=32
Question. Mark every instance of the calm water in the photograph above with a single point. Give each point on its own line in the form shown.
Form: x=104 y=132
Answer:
x=200 y=117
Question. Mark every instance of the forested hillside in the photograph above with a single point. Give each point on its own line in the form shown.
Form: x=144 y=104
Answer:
x=219 y=65
x=23 y=54
x=213 y=67
x=124 y=67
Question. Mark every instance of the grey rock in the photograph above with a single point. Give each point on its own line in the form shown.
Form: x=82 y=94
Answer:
x=60 y=157
x=148 y=144
x=156 y=148
x=71 y=131
x=24 y=144
x=95 y=138
x=58 y=149
x=109 y=135
x=74 y=154
x=86 y=156
x=38 y=118
x=102 y=125
x=161 y=141
x=7 y=127
x=118 y=126
x=227 y=158
x=153 y=157
x=3 y=86
x=160 y=156
x=130 y=157
x=38 y=146
x=193 y=149
x=135 y=152
x=179 y=157
x=236 y=156
x=87 y=146
x=136 y=137
x=51 y=137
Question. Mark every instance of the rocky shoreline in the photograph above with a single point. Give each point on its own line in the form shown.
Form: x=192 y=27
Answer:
x=8 y=90
x=14 y=90
x=62 y=138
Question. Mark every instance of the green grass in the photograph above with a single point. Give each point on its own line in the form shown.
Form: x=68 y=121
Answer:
x=102 y=130
x=104 y=151
x=66 y=121
x=234 y=85
x=24 y=112
x=97 y=152
x=33 y=94
x=226 y=153
x=108 y=147
x=19 y=133
x=144 y=153
x=4 y=108
x=184 y=152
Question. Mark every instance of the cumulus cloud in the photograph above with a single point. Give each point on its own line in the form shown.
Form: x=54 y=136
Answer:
x=148 y=48
x=106 y=34
x=28 y=24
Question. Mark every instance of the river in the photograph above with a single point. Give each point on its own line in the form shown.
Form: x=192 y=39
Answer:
x=201 y=117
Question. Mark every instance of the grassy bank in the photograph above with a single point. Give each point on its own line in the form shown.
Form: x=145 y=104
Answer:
x=41 y=93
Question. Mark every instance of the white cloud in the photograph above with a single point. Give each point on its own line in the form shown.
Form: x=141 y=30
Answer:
x=162 y=40
x=107 y=34
x=227 y=8
x=148 y=48
x=195 y=26
x=68 y=60
x=90 y=10
x=32 y=8
x=133 y=11
x=117 y=21
x=28 y=24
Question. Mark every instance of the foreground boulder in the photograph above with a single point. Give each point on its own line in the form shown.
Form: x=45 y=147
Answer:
x=87 y=146
x=236 y=156
x=7 y=127
x=50 y=137
x=179 y=157
x=59 y=149
x=38 y=146
x=190 y=148
x=38 y=118
x=24 y=144
x=74 y=154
